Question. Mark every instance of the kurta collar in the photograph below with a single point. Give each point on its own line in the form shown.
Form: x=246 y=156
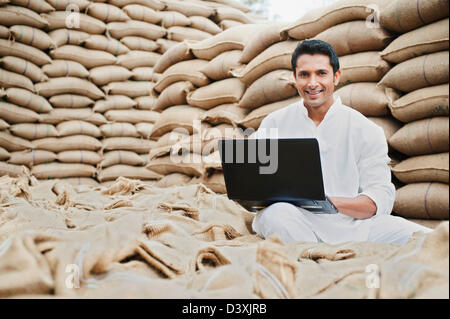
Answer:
x=331 y=110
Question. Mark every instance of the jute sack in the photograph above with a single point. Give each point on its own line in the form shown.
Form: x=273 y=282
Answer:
x=3 y=125
x=389 y=125
x=153 y=4
x=107 y=13
x=61 y=37
x=87 y=57
x=61 y=170
x=12 y=79
x=61 y=68
x=17 y=114
x=81 y=181
x=4 y=32
x=217 y=93
x=362 y=67
x=156 y=77
x=142 y=74
x=119 y=130
x=422 y=103
x=38 y=6
x=80 y=21
x=32 y=131
x=23 y=51
x=131 y=89
x=146 y=102
x=183 y=71
x=160 y=152
x=178 y=53
x=174 y=94
x=189 y=8
x=62 y=85
x=212 y=163
x=228 y=24
x=68 y=143
x=121 y=157
x=142 y=13
x=4 y=154
x=78 y=128
x=132 y=116
x=133 y=172
x=427 y=136
x=204 y=24
x=144 y=129
x=165 y=45
x=175 y=117
x=220 y=67
x=255 y=117
x=354 y=36
x=70 y=101
x=403 y=15
x=57 y=116
x=174 y=179
x=189 y=164
x=32 y=36
x=275 y=86
x=139 y=43
x=103 y=75
x=10 y=169
x=227 y=113
x=416 y=73
x=79 y=156
x=114 y=102
x=13 y=143
x=276 y=57
x=62 y=4
x=14 y=15
x=211 y=136
x=180 y=34
x=228 y=13
x=30 y=158
x=132 y=144
x=23 y=67
x=135 y=59
x=173 y=18
x=102 y=43
x=425 y=168
x=28 y=100
x=234 y=4
x=427 y=39
x=215 y=182
x=169 y=139
x=321 y=19
x=423 y=201
x=136 y=28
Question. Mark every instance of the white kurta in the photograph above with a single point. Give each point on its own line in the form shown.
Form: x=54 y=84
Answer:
x=354 y=158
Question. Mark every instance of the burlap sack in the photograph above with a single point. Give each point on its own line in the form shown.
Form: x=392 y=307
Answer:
x=16 y=114
x=31 y=131
x=170 y=138
x=180 y=116
x=121 y=157
x=61 y=37
x=10 y=169
x=30 y=158
x=142 y=13
x=183 y=71
x=114 y=102
x=57 y=116
x=132 y=144
x=144 y=129
x=62 y=170
x=120 y=30
x=70 y=101
x=119 y=130
x=212 y=135
x=132 y=116
x=422 y=201
x=15 y=15
x=153 y=4
x=23 y=51
x=403 y=15
x=82 y=22
x=221 y=66
x=62 y=85
x=4 y=32
x=174 y=94
x=275 y=86
x=189 y=8
x=135 y=59
x=228 y=24
x=221 y=92
x=204 y=24
x=26 y=99
x=427 y=39
x=23 y=67
x=39 y=6
x=68 y=143
x=425 y=168
x=188 y=164
x=4 y=154
x=416 y=73
x=146 y=102
x=32 y=36
x=103 y=75
x=143 y=74
x=131 y=89
x=234 y=4
x=173 y=18
x=422 y=103
x=102 y=43
x=80 y=157
x=12 y=79
x=180 y=34
x=87 y=57
x=389 y=125
x=178 y=53
x=77 y=128
x=62 y=4
x=81 y=181
x=212 y=163
x=427 y=136
x=61 y=68
x=133 y=172
x=227 y=113
x=107 y=13
x=165 y=45
x=139 y=43
x=362 y=67
x=12 y=143
x=174 y=179
x=277 y=56
x=227 y=13
x=215 y=182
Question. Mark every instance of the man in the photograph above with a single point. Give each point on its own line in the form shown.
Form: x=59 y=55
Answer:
x=355 y=168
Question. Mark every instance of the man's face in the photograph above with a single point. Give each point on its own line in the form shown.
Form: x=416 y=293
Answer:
x=315 y=80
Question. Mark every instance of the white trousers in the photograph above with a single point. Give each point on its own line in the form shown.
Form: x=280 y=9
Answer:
x=294 y=224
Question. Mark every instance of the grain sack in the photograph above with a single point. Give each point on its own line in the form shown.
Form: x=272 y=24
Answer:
x=32 y=36
x=23 y=67
x=30 y=158
x=103 y=75
x=119 y=130
x=135 y=59
x=144 y=129
x=63 y=4
x=389 y=125
x=227 y=113
x=423 y=201
x=362 y=67
x=70 y=101
x=79 y=156
x=114 y=102
x=189 y=8
x=173 y=18
x=4 y=154
x=106 y=12
x=31 y=131
x=403 y=15
x=12 y=143
x=17 y=114
x=255 y=117
x=204 y=24
x=227 y=13
x=61 y=68
x=160 y=152
x=61 y=37
x=141 y=13
x=82 y=22
x=180 y=116
x=12 y=79
x=26 y=99
x=220 y=67
x=132 y=116
x=132 y=144
x=156 y=77
x=68 y=143
x=174 y=94
x=121 y=157
x=422 y=103
x=81 y=181
x=169 y=139
x=61 y=170
x=87 y=57
x=146 y=102
x=10 y=169
x=165 y=45
x=178 y=53
x=215 y=182
x=62 y=85
x=428 y=136
x=228 y=24
x=213 y=134
x=153 y=4
x=23 y=51
x=189 y=164
x=217 y=93
x=136 y=28
x=132 y=172
x=14 y=15
x=416 y=73
x=234 y=4
x=180 y=34
x=102 y=43
x=138 y=43
x=56 y=116
x=320 y=19
x=174 y=179
x=183 y=71
x=131 y=89
x=427 y=39
x=212 y=163
x=3 y=125
x=142 y=74
x=77 y=128
x=275 y=86
x=276 y=57
x=4 y=32
x=425 y=168
x=39 y=6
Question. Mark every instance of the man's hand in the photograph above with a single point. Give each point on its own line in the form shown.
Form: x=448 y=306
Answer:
x=361 y=207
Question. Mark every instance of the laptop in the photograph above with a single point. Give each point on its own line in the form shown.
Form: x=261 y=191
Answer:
x=260 y=172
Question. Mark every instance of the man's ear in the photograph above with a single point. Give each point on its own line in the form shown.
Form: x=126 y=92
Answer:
x=337 y=77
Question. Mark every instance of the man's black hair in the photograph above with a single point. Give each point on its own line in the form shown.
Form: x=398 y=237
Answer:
x=315 y=47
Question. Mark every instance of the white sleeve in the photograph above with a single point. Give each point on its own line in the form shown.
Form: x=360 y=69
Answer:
x=265 y=127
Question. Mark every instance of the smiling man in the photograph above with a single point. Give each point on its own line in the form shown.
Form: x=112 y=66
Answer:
x=353 y=151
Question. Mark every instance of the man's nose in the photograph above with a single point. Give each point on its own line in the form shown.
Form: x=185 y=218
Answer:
x=312 y=83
